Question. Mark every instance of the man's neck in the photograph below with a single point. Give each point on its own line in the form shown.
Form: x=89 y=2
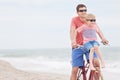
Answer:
x=82 y=19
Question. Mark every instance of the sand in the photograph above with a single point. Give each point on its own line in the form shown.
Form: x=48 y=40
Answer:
x=8 y=72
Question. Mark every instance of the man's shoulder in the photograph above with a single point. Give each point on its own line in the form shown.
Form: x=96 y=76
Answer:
x=75 y=18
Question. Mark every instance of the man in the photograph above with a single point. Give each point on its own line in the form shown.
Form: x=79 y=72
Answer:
x=77 y=53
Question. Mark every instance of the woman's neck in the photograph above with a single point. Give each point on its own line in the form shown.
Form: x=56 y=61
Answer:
x=89 y=25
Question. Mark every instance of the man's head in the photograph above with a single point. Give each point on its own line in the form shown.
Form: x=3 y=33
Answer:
x=81 y=10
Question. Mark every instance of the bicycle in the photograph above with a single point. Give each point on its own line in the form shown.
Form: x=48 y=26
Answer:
x=92 y=75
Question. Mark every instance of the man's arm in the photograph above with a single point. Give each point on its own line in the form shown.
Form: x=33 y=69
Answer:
x=73 y=36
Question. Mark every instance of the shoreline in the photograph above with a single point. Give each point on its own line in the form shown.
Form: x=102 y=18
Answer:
x=8 y=72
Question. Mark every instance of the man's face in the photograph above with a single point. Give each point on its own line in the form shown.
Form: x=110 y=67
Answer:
x=82 y=12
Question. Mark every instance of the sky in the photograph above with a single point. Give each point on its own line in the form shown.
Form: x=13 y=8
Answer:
x=35 y=24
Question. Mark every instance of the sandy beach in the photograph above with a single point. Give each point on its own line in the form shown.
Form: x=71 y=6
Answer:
x=8 y=72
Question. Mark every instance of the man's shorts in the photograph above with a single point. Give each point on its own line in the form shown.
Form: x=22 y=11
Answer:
x=91 y=44
x=77 y=56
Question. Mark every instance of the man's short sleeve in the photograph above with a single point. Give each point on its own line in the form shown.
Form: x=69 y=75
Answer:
x=72 y=22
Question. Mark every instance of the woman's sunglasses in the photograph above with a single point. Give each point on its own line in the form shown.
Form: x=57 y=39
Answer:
x=91 y=20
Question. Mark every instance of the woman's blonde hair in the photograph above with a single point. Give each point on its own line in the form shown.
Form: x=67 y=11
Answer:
x=90 y=16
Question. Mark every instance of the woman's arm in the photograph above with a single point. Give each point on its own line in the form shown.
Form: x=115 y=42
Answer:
x=104 y=40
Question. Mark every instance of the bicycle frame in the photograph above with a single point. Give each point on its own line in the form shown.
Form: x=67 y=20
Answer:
x=82 y=72
x=93 y=75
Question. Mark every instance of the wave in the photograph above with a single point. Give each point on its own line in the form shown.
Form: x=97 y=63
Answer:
x=40 y=64
x=52 y=64
x=113 y=67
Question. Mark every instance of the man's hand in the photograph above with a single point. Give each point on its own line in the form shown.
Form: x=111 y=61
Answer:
x=74 y=45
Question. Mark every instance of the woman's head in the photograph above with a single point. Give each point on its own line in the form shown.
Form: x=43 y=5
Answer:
x=90 y=18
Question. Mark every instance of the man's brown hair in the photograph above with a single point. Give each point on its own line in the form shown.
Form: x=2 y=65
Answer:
x=80 y=6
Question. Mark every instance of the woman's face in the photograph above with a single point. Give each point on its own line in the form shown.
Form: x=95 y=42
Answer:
x=91 y=21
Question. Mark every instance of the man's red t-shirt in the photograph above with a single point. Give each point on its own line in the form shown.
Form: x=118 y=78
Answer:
x=76 y=22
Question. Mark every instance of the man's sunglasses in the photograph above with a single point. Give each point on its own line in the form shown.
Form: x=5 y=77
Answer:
x=91 y=20
x=82 y=10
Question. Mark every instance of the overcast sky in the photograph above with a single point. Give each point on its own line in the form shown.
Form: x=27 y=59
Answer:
x=34 y=24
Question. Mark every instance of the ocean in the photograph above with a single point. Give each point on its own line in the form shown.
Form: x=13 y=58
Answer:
x=55 y=60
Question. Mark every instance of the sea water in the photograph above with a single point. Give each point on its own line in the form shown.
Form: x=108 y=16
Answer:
x=55 y=60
